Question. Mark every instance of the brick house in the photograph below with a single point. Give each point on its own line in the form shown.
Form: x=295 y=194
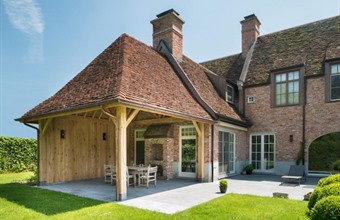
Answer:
x=136 y=104
x=287 y=85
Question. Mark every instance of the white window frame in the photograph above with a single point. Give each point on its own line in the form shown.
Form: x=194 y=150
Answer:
x=234 y=150
x=250 y=99
x=262 y=170
x=186 y=174
x=232 y=94
x=330 y=79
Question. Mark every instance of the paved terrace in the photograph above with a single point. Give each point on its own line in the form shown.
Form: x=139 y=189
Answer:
x=177 y=195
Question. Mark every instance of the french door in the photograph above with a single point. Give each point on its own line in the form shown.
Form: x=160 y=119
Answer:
x=226 y=152
x=262 y=152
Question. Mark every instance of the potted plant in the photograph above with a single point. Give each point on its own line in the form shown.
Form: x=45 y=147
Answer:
x=248 y=169
x=223 y=185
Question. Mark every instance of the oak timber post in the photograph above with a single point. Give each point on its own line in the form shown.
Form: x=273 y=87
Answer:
x=200 y=150
x=121 y=186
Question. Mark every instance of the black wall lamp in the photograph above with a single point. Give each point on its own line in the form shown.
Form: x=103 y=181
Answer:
x=291 y=138
x=62 y=134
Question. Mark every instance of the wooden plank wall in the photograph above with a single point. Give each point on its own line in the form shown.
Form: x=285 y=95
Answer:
x=81 y=154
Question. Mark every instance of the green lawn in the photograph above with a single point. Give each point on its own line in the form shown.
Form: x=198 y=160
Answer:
x=19 y=201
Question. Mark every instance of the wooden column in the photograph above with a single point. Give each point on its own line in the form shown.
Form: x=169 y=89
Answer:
x=200 y=150
x=121 y=186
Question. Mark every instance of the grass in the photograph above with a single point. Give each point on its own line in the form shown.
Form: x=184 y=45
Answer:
x=19 y=201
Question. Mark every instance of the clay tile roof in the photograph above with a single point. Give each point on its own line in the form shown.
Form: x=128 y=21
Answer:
x=196 y=74
x=229 y=67
x=129 y=71
x=309 y=45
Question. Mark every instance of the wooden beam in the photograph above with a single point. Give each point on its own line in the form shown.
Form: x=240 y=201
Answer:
x=200 y=151
x=131 y=116
x=121 y=186
x=159 y=111
x=111 y=116
x=94 y=114
x=158 y=121
x=197 y=127
x=45 y=125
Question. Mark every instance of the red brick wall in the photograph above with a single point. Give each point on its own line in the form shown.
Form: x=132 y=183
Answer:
x=281 y=121
x=321 y=118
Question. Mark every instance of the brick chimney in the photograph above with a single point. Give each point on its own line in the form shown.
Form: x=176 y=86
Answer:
x=168 y=27
x=250 y=32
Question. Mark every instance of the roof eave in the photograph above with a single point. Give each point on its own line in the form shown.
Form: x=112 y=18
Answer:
x=96 y=106
x=234 y=121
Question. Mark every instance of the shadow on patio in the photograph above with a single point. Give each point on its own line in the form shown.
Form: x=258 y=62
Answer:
x=97 y=189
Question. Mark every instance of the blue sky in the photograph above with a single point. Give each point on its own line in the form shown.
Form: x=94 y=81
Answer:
x=44 y=44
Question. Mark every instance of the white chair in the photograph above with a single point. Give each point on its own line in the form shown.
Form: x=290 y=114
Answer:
x=108 y=173
x=149 y=176
x=128 y=177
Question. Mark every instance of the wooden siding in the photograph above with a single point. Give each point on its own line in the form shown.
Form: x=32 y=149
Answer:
x=81 y=154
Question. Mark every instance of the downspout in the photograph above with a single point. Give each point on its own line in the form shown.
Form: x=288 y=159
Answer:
x=38 y=152
x=212 y=152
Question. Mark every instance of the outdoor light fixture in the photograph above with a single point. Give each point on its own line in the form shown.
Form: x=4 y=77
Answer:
x=104 y=136
x=62 y=134
x=291 y=138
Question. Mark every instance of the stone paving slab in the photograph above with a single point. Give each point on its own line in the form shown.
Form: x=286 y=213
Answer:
x=178 y=195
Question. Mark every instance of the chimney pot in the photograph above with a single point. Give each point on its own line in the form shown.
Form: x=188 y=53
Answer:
x=168 y=27
x=250 y=32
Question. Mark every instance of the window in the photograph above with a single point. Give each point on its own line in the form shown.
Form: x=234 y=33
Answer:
x=262 y=152
x=335 y=82
x=230 y=93
x=250 y=99
x=287 y=88
x=226 y=152
x=188 y=150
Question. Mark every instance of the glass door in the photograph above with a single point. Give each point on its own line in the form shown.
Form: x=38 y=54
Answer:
x=226 y=153
x=262 y=152
x=188 y=151
x=139 y=146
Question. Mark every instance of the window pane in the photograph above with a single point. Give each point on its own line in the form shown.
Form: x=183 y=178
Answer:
x=335 y=93
x=335 y=87
x=334 y=69
x=296 y=75
x=283 y=77
x=296 y=98
x=291 y=76
x=278 y=78
x=335 y=81
x=290 y=87
x=296 y=86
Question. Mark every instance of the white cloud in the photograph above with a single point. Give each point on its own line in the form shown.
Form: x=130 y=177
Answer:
x=25 y=15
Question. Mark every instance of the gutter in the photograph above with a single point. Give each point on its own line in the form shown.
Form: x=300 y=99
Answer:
x=38 y=151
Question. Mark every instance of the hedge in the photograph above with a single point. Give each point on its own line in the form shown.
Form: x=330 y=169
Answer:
x=322 y=192
x=17 y=154
x=327 y=208
x=329 y=180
